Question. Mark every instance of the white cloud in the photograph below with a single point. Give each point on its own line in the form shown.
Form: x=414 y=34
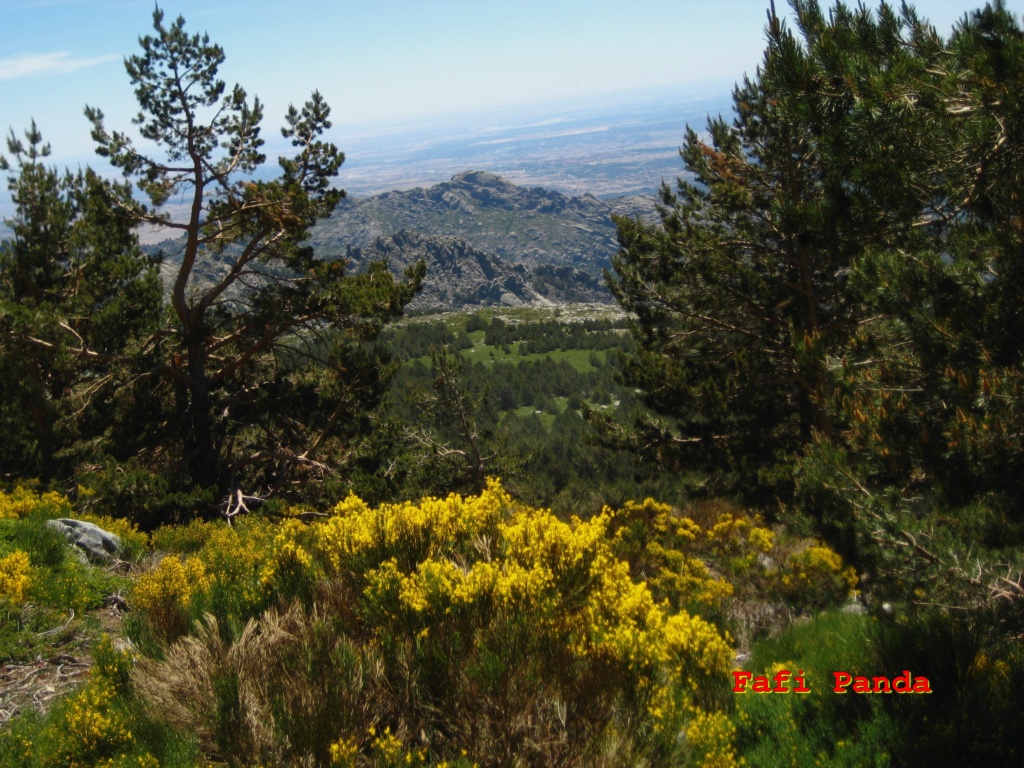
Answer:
x=60 y=63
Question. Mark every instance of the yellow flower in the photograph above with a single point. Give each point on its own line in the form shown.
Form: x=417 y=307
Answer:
x=15 y=577
x=344 y=753
x=710 y=736
x=761 y=538
x=172 y=582
x=21 y=502
x=90 y=725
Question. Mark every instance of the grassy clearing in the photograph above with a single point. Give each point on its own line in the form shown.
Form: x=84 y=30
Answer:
x=580 y=359
x=568 y=313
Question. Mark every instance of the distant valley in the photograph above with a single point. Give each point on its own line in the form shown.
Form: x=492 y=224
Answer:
x=615 y=145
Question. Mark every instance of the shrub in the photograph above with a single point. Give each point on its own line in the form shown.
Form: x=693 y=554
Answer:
x=182 y=539
x=227 y=571
x=714 y=559
x=23 y=502
x=15 y=578
x=46 y=547
x=814 y=577
x=453 y=631
x=167 y=593
x=132 y=492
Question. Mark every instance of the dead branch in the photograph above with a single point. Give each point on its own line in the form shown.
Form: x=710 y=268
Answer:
x=237 y=503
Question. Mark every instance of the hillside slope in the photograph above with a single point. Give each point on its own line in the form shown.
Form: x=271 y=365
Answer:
x=486 y=242
x=459 y=275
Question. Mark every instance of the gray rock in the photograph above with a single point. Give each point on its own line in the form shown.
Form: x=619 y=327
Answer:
x=460 y=276
x=767 y=563
x=98 y=545
x=854 y=606
x=510 y=300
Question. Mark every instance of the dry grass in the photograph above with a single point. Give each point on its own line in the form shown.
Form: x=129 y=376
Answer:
x=203 y=679
x=289 y=685
x=274 y=695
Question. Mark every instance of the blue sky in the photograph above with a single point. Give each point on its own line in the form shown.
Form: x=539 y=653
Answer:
x=382 y=60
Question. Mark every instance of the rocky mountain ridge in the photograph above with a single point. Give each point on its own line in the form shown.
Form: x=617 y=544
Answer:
x=486 y=242
x=528 y=226
x=459 y=275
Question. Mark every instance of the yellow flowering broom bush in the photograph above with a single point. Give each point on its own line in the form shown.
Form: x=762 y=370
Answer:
x=234 y=573
x=716 y=560
x=15 y=577
x=22 y=502
x=467 y=630
x=815 y=575
x=167 y=593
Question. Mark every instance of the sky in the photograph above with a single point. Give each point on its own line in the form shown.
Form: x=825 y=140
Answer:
x=381 y=61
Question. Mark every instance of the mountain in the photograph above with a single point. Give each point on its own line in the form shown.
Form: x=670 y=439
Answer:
x=459 y=275
x=528 y=226
x=486 y=241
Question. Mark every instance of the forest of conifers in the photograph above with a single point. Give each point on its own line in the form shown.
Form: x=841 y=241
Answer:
x=510 y=538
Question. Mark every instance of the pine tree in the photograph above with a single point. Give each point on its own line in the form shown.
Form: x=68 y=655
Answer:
x=742 y=292
x=926 y=483
x=257 y=382
x=76 y=295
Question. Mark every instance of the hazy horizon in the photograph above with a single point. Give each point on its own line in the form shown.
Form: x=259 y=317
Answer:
x=571 y=147
x=396 y=73
x=383 y=60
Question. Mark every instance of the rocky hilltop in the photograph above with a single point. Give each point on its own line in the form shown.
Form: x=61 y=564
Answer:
x=527 y=226
x=459 y=275
x=486 y=241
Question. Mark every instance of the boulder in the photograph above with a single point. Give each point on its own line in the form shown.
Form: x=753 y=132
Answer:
x=98 y=545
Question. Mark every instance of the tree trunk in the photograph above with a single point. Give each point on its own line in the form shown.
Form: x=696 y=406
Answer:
x=199 y=449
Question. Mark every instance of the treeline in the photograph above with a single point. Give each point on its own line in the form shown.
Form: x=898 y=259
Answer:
x=417 y=339
x=535 y=383
x=549 y=335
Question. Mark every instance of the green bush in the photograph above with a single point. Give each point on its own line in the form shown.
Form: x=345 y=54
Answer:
x=976 y=715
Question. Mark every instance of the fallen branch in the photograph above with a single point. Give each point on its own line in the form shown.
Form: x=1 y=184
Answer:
x=58 y=630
